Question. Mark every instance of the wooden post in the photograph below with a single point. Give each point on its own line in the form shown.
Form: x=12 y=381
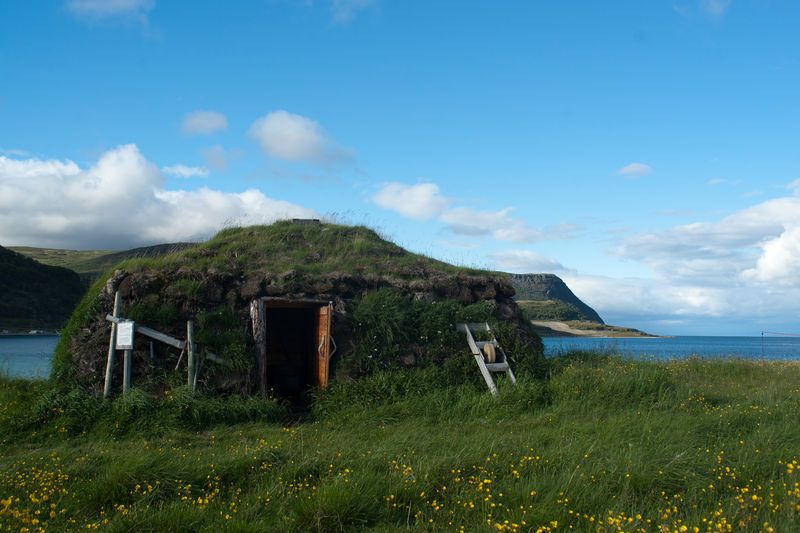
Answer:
x=126 y=371
x=258 y=317
x=190 y=354
x=197 y=368
x=112 y=350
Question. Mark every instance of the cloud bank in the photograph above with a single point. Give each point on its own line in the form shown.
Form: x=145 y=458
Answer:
x=743 y=266
x=118 y=202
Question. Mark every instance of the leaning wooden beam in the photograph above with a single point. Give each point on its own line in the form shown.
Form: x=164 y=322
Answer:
x=153 y=334
x=112 y=350
x=180 y=357
x=257 y=315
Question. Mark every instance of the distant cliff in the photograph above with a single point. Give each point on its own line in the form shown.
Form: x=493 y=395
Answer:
x=33 y=295
x=547 y=297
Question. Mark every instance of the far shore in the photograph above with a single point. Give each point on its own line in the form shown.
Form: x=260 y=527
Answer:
x=33 y=333
x=552 y=328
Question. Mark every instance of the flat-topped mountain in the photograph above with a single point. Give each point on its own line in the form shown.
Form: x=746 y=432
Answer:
x=547 y=297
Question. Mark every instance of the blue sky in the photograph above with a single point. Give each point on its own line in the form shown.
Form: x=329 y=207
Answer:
x=646 y=152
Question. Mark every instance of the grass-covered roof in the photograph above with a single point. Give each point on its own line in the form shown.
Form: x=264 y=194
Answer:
x=305 y=248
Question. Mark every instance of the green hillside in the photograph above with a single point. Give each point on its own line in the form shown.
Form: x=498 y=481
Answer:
x=550 y=310
x=92 y=263
x=70 y=259
x=35 y=296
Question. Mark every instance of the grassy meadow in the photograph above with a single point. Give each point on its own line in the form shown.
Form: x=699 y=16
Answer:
x=600 y=444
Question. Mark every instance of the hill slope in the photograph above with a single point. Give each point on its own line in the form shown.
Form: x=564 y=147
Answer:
x=92 y=263
x=547 y=297
x=35 y=296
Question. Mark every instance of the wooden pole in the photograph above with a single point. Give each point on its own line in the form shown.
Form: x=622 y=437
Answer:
x=196 y=372
x=112 y=349
x=126 y=371
x=258 y=317
x=190 y=352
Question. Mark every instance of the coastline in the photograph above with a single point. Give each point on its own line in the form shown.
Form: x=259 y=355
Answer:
x=29 y=334
x=553 y=328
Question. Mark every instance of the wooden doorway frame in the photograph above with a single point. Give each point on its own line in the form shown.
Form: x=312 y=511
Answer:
x=323 y=338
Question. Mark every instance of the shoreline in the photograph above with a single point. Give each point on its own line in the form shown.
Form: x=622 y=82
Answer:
x=554 y=328
x=22 y=334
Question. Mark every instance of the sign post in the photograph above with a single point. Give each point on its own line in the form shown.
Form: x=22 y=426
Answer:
x=125 y=335
x=125 y=332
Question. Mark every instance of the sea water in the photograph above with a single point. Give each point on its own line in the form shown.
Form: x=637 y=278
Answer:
x=27 y=356
x=30 y=356
x=681 y=347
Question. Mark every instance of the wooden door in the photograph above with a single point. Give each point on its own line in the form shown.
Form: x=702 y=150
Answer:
x=324 y=320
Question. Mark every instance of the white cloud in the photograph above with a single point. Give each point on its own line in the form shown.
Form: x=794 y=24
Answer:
x=422 y=201
x=635 y=170
x=715 y=252
x=203 y=122
x=499 y=225
x=715 y=8
x=744 y=265
x=524 y=261
x=295 y=138
x=106 y=9
x=345 y=10
x=184 y=171
x=118 y=202
x=779 y=261
x=647 y=298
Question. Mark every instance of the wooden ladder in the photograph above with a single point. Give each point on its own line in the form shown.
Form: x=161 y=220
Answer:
x=501 y=365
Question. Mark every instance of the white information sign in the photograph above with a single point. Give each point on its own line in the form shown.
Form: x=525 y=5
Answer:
x=125 y=335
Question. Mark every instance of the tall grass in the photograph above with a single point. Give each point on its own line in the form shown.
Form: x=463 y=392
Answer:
x=601 y=444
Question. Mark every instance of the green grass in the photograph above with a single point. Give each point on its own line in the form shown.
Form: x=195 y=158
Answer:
x=601 y=444
x=550 y=310
x=71 y=259
x=92 y=263
x=304 y=249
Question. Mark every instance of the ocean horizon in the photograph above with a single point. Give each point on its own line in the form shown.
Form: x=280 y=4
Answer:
x=30 y=356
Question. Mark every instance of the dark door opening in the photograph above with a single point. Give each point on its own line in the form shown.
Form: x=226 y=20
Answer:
x=290 y=351
x=297 y=339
